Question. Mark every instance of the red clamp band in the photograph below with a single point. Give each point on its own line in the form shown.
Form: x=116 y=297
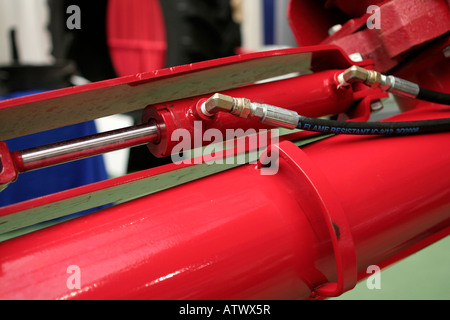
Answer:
x=324 y=201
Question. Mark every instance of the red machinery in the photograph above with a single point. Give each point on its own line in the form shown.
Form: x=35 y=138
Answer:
x=199 y=231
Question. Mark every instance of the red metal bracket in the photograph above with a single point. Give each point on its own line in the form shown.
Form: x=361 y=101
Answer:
x=387 y=46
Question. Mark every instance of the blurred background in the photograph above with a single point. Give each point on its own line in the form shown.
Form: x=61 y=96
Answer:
x=44 y=47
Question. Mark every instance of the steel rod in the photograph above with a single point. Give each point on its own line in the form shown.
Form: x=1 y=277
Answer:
x=84 y=147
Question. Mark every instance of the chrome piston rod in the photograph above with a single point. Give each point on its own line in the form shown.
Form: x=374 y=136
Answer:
x=80 y=148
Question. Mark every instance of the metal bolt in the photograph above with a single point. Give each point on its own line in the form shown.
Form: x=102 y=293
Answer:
x=356 y=57
x=446 y=52
x=376 y=106
x=334 y=29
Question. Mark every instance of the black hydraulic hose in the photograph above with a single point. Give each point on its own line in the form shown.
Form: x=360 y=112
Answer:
x=374 y=128
x=433 y=96
x=279 y=117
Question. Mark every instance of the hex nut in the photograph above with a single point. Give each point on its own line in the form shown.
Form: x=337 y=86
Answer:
x=242 y=108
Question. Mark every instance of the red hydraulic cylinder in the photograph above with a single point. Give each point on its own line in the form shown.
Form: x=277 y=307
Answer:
x=332 y=209
x=314 y=95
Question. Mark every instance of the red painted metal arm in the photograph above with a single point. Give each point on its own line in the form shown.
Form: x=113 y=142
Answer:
x=73 y=105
